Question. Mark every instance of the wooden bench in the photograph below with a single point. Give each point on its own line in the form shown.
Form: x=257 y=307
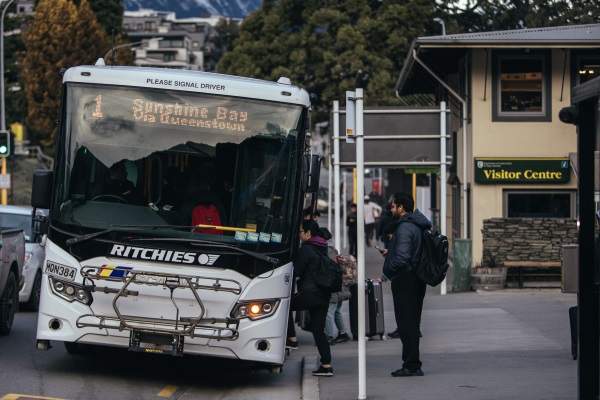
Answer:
x=535 y=264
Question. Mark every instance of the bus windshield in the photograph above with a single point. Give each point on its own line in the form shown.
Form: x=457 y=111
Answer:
x=209 y=167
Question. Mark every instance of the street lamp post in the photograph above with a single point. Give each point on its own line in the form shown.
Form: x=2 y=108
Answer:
x=3 y=194
x=129 y=45
x=441 y=22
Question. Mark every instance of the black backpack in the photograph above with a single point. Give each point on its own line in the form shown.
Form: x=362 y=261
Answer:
x=433 y=265
x=328 y=275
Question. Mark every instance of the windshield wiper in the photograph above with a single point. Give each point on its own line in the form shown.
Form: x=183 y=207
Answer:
x=118 y=228
x=258 y=256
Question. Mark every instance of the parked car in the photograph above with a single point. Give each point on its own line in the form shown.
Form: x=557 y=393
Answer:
x=12 y=258
x=20 y=217
x=323 y=200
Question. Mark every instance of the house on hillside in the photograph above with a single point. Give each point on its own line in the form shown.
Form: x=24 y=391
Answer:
x=164 y=41
x=513 y=158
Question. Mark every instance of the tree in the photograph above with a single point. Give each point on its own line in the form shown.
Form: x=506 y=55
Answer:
x=94 y=43
x=496 y=15
x=329 y=47
x=227 y=31
x=47 y=40
x=109 y=14
x=59 y=36
x=15 y=99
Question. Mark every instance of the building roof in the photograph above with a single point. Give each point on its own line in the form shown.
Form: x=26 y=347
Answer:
x=441 y=53
x=556 y=36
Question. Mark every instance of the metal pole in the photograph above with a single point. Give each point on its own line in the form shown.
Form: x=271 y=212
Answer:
x=128 y=45
x=345 y=214
x=329 y=183
x=381 y=183
x=442 y=177
x=4 y=197
x=336 y=174
x=360 y=246
x=108 y=53
x=443 y=23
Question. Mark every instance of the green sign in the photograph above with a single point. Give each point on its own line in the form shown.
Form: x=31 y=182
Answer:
x=421 y=170
x=522 y=170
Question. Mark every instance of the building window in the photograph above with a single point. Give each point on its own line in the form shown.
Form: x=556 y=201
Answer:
x=539 y=204
x=588 y=67
x=150 y=26
x=170 y=43
x=521 y=89
x=169 y=57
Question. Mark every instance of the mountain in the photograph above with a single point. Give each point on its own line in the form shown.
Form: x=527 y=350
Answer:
x=195 y=8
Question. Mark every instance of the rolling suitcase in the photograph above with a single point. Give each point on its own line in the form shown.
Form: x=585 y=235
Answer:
x=574 y=337
x=303 y=320
x=374 y=322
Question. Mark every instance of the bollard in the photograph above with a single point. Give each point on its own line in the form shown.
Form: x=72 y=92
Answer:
x=461 y=268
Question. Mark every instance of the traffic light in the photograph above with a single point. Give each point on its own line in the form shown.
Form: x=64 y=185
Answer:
x=5 y=143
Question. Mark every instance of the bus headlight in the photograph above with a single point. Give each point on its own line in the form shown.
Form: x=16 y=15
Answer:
x=70 y=291
x=255 y=309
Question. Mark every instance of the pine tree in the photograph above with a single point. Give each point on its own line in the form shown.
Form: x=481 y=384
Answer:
x=50 y=40
x=109 y=14
x=15 y=100
x=59 y=36
x=92 y=41
x=227 y=32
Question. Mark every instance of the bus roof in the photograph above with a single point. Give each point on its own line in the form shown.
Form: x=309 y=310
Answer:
x=190 y=81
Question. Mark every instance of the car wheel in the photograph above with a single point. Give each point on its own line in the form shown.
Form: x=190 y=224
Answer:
x=8 y=304
x=33 y=304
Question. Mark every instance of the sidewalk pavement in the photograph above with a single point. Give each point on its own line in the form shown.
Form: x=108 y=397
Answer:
x=505 y=344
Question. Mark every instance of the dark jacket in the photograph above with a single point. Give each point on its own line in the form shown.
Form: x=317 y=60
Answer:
x=307 y=260
x=405 y=248
x=352 y=224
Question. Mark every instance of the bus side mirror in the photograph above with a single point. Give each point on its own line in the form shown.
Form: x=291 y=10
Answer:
x=41 y=190
x=39 y=225
x=311 y=173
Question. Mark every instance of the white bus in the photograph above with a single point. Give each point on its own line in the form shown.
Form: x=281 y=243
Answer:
x=141 y=155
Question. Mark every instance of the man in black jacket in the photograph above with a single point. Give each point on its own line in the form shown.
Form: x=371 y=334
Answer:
x=408 y=290
x=352 y=224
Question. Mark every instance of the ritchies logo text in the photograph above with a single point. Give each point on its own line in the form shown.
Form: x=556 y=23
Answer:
x=181 y=257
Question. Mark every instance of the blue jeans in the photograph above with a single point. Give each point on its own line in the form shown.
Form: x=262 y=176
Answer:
x=334 y=315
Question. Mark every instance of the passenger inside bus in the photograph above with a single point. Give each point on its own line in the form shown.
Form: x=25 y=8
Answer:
x=199 y=193
x=117 y=188
x=174 y=188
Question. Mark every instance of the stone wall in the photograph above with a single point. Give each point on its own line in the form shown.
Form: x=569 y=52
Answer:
x=526 y=239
